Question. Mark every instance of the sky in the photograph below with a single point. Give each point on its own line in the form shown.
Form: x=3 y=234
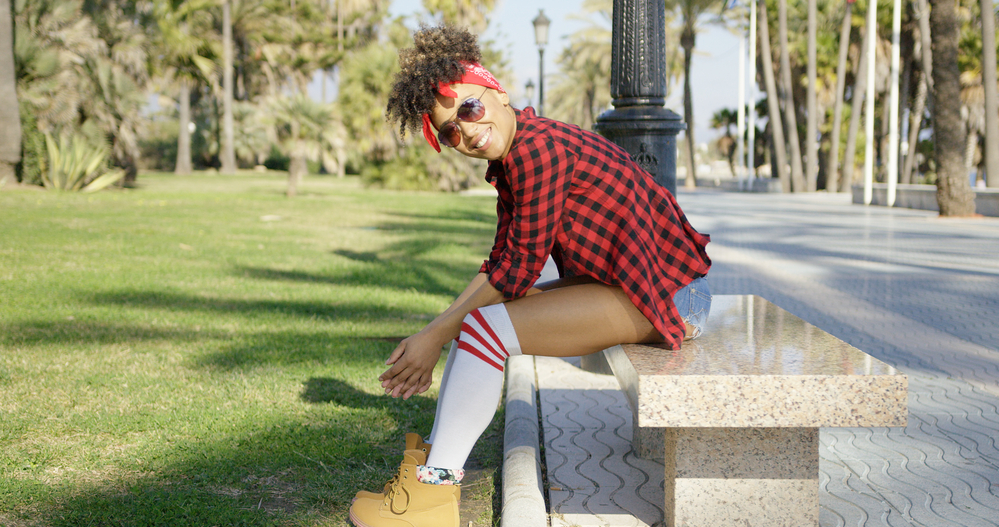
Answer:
x=715 y=64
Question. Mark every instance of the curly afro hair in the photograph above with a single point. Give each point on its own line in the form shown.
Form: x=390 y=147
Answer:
x=435 y=59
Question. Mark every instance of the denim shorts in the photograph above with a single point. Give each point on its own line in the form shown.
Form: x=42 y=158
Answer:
x=694 y=303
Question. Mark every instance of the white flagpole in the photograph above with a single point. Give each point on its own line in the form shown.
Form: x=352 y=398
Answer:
x=741 y=114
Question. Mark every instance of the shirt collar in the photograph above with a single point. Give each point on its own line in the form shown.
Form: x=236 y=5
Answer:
x=497 y=167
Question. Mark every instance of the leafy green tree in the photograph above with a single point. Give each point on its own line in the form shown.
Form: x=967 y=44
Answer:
x=74 y=69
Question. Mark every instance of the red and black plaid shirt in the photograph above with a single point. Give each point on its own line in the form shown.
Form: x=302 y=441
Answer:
x=575 y=195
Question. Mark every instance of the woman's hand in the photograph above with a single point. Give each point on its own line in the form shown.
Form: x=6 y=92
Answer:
x=413 y=362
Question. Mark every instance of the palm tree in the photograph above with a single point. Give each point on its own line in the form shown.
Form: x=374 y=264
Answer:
x=187 y=57
x=228 y=152
x=991 y=97
x=973 y=110
x=304 y=123
x=468 y=13
x=726 y=118
x=954 y=195
x=10 y=117
x=859 y=91
x=797 y=178
x=583 y=90
x=925 y=52
x=776 y=130
x=691 y=11
x=832 y=168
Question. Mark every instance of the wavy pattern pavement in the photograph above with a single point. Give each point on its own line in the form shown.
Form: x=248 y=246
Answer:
x=593 y=476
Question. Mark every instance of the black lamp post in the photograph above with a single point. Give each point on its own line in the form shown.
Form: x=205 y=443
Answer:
x=529 y=91
x=541 y=23
x=639 y=122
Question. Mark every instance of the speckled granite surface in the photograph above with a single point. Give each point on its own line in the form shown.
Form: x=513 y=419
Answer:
x=759 y=366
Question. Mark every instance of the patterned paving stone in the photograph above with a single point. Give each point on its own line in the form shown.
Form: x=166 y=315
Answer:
x=593 y=476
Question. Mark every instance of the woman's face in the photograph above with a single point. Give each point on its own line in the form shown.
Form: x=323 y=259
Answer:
x=491 y=136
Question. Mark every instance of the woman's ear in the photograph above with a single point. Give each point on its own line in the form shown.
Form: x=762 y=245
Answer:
x=503 y=98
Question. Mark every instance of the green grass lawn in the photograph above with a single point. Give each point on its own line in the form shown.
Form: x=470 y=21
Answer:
x=202 y=350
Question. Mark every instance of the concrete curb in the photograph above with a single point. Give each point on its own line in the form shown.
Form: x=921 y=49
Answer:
x=523 y=494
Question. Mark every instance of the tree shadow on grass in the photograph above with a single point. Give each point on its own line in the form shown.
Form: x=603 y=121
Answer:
x=275 y=473
x=436 y=278
x=348 y=310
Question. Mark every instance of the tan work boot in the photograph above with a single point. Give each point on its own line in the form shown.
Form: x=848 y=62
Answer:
x=413 y=442
x=409 y=503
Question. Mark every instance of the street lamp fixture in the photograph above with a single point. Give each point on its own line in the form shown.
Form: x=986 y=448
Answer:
x=529 y=91
x=541 y=23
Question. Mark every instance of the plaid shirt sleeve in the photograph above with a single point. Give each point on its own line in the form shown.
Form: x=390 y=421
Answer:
x=539 y=178
x=502 y=228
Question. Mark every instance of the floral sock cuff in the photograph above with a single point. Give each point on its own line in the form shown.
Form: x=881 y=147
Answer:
x=438 y=476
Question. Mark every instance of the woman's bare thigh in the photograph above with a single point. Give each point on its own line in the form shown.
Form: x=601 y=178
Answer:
x=578 y=320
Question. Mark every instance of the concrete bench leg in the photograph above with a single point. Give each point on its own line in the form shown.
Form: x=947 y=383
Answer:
x=742 y=476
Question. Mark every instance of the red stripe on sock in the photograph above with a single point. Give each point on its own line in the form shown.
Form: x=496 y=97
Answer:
x=470 y=331
x=462 y=345
x=477 y=315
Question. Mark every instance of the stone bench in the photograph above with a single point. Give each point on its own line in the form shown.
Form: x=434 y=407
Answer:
x=736 y=413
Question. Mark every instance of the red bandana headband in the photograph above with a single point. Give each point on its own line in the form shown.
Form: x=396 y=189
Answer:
x=474 y=74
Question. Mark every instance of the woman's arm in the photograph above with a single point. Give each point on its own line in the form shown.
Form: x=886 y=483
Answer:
x=414 y=359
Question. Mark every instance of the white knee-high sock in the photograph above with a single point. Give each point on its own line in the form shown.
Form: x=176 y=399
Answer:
x=451 y=354
x=474 y=385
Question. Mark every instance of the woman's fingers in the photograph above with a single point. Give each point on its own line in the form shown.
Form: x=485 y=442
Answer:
x=396 y=353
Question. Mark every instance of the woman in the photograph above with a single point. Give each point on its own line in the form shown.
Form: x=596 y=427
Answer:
x=632 y=267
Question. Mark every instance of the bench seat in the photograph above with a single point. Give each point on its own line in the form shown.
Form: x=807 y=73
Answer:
x=735 y=414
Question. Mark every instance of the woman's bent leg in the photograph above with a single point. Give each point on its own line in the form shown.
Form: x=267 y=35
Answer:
x=567 y=321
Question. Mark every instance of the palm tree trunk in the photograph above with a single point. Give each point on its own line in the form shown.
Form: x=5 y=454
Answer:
x=970 y=147
x=832 y=168
x=797 y=177
x=923 y=92
x=859 y=89
x=228 y=154
x=687 y=41
x=811 y=134
x=776 y=130
x=954 y=195
x=183 y=165
x=297 y=166
x=991 y=97
x=10 y=117
x=915 y=123
x=926 y=44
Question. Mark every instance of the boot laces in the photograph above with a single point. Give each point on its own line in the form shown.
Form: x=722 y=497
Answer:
x=398 y=496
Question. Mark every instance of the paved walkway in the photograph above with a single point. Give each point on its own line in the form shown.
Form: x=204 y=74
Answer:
x=915 y=291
